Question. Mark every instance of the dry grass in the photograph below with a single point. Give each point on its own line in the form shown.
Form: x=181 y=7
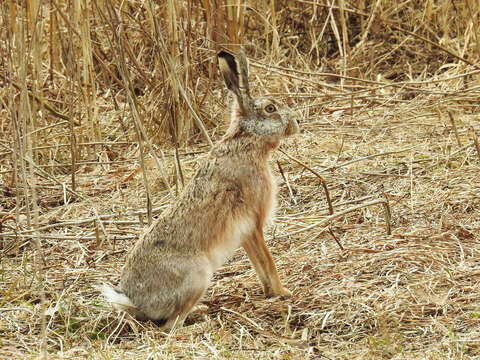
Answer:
x=389 y=115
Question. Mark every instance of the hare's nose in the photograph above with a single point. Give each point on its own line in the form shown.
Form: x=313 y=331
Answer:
x=297 y=115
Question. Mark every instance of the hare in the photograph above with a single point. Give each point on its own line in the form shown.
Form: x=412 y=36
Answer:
x=224 y=207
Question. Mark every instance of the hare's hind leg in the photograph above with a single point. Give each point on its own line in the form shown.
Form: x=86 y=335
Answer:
x=262 y=261
x=189 y=294
x=177 y=319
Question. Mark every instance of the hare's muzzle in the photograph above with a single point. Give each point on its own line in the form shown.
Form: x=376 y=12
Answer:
x=292 y=126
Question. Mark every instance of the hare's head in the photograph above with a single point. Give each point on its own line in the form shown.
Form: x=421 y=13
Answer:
x=263 y=117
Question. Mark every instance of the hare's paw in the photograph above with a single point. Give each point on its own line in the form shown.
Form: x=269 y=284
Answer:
x=284 y=292
x=279 y=292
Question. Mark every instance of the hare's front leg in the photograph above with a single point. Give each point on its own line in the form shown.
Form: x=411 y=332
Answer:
x=264 y=265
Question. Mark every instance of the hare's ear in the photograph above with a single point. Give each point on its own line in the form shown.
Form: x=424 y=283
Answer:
x=234 y=70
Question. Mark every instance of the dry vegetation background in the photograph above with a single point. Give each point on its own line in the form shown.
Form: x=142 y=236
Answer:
x=108 y=107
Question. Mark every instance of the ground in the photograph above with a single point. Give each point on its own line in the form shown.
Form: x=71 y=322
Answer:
x=358 y=291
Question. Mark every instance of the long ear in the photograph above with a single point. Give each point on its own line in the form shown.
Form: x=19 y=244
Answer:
x=234 y=70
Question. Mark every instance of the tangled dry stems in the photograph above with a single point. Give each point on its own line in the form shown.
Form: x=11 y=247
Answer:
x=406 y=136
x=413 y=292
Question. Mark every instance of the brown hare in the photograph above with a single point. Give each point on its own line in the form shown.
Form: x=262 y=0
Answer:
x=224 y=207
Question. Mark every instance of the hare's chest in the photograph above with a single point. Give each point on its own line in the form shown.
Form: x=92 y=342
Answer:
x=231 y=239
x=267 y=198
x=271 y=203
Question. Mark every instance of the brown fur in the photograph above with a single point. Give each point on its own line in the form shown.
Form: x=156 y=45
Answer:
x=225 y=206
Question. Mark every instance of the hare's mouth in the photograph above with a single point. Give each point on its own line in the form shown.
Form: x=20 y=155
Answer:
x=292 y=128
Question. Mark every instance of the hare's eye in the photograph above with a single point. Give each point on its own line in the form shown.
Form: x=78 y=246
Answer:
x=270 y=108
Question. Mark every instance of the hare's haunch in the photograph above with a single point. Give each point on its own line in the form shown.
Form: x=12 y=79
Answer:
x=224 y=207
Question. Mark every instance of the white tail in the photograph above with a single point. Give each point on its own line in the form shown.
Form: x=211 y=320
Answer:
x=119 y=300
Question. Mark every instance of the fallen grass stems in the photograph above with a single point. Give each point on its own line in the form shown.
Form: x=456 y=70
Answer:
x=400 y=181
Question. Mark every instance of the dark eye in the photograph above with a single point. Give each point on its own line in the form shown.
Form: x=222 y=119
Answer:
x=270 y=108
